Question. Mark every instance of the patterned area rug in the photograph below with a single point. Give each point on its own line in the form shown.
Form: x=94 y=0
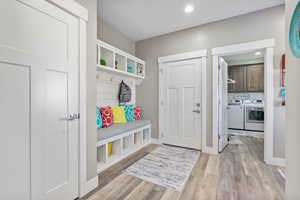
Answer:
x=166 y=166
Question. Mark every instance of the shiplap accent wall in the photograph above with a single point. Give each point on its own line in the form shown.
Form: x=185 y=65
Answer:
x=108 y=86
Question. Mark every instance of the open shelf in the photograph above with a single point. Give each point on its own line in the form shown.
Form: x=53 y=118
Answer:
x=128 y=143
x=111 y=70
x=138 y=138
x=131 y=66
x=102 y=156
x=114 y=149
x=140 y=69
x=119 y=62
x=146 y=135
x=107 y=56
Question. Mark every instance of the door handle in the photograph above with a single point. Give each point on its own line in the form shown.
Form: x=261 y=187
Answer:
x=196 y=111
x=72 y=117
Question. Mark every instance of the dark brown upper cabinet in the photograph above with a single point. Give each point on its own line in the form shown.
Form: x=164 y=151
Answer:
x=255 y=78
x=248 y=78
x=237 y=73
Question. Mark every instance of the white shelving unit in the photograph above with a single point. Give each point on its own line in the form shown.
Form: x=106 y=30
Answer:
x=114 y=60
x=117 y=62
x=122 y=146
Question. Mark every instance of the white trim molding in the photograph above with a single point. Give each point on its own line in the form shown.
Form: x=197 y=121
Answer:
x=281 y=162
x=215 y=106
x=90 y=185
x=183 y=56
x=268 y=47
x=83 y=182
x=210 y=150
x=72 y=7
x=156 y=141
x=202 y=55
x=243 y=47
x=85 y=185
x=269 y=105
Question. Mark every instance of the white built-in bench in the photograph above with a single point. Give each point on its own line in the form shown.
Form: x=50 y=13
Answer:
x=125 y=138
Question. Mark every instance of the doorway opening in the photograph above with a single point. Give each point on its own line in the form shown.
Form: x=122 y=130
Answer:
x=243 y=94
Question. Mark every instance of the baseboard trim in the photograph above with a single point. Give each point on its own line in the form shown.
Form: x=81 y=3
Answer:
x=90 y=186
x=156 y=141
x=280 y=162
x=210 y=150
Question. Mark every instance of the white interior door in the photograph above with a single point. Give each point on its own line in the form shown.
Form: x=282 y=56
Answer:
x=223 y=104
x=183 y=103
x=38 y=91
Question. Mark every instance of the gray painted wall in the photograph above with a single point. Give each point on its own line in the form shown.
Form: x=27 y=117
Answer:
x=91 y=5
x=293 y=110
x=260 y=25
x=110 y=35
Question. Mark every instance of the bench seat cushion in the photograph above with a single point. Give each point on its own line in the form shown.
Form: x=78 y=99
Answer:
x=118 y=129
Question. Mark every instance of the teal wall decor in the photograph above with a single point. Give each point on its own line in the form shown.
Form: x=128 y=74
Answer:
x=294 y=34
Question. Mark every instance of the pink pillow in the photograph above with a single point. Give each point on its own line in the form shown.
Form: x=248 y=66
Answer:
x=107 y=116
x=137 y=113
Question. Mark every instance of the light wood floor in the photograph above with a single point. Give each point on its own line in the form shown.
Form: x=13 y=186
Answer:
x=236 y=174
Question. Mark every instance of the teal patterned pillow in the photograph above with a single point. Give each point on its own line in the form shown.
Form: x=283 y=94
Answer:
x=99 y=118
x=129 y=112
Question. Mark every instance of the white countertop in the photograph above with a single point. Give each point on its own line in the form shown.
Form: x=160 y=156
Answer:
x=258 y=105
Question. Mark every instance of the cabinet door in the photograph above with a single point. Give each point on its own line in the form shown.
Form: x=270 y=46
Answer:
x=237 y=73
x=255 y=78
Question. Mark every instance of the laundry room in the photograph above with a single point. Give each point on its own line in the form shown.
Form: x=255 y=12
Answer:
x=246 y=94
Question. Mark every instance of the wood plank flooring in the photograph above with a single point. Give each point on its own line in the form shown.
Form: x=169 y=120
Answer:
x=238 y=173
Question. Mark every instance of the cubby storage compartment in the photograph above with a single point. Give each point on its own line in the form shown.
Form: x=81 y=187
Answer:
x=106 y=58
x=140 y=69
x=128 y=143
x=146 y=135
x=120 y=62
x=138 y=138
x=114 y=149
x=102 y=156
x=131 y=66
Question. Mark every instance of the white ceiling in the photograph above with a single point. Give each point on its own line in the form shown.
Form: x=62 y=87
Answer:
x=141 y=19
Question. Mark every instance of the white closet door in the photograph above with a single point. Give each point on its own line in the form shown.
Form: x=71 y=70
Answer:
x=223 y=104
x=183 y=104
x=38 y=91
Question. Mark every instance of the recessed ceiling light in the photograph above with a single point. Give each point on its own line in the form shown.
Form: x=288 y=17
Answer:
x=188 y=9
x=258 y=53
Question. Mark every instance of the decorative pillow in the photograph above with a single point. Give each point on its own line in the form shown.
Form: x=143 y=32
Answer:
x=99 y=118
x=137 y=113
x=119 y=114
x=107 y=116
x=129 y=112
